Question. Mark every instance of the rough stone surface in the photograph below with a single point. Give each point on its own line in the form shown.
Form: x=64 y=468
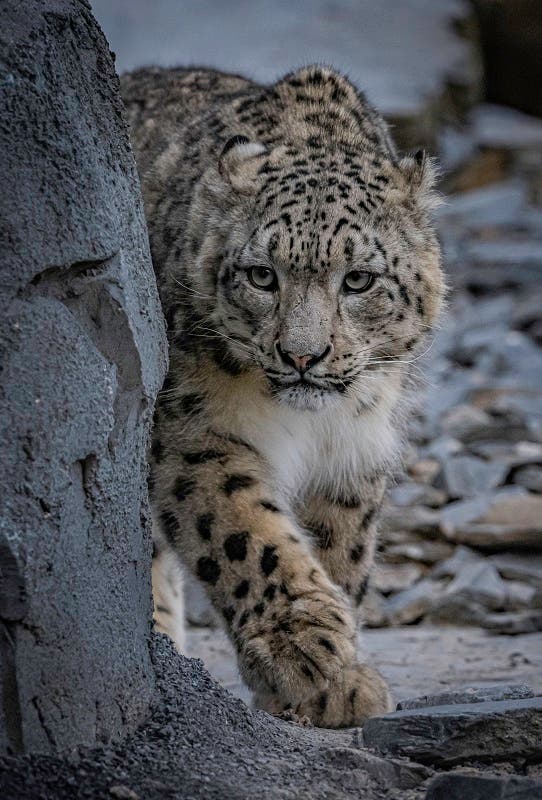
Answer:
x=454 y=786
x=82 y=352
x=454 y=734
x=470 y=695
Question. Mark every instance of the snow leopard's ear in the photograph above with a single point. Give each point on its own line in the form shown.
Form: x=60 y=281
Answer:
x=421 y=174
x=239 y=163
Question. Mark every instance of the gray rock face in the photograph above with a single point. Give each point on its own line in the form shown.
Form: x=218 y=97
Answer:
x=455 y=786
x=83 y=356
x=454 y=734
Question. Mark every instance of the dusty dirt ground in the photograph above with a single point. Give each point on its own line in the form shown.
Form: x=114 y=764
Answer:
x=416 y=660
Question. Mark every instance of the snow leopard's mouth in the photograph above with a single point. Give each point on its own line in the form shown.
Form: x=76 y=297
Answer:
x=307 y=382
x=295 y=382
x=306 y=393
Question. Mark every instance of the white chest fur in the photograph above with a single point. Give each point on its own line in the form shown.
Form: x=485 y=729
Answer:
x=329 y=449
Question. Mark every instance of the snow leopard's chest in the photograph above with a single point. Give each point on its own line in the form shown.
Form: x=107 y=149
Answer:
x=329 y=450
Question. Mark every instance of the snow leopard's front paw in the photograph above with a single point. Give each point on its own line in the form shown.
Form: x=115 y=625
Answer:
x=298 y=645
x=352 y=696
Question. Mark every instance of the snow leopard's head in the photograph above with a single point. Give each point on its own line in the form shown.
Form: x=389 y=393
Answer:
x=316 y=263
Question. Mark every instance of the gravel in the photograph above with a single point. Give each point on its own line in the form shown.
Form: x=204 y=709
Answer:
x=201 y=742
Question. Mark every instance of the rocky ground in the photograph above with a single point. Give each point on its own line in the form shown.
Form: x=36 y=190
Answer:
x=201 y=743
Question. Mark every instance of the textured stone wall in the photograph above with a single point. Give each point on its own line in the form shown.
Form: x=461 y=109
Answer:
x=82 y=356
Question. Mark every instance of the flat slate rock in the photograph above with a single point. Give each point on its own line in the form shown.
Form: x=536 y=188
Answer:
x=512 y=623
x=497 y=204
x=454 y=734
x=455 y=786
x=508 y=517
x=518 y=566
x=481 y=583
x=501 y=127
x=469 y=695
x=469 y=476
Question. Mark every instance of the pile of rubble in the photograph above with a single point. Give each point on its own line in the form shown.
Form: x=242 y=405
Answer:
x=462 y=535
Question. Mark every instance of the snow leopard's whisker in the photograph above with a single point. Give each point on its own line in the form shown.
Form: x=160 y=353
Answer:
x=392 y=359
x=388 y=340
x=219 y=334
x=194 y=291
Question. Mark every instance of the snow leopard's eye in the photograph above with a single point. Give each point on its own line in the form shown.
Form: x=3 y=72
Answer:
x=358 y=281
x=263 y=278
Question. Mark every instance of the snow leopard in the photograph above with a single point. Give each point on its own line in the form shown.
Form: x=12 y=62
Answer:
x=300 y=276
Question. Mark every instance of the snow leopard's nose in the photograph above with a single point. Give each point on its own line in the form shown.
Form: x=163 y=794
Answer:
x=304 y=362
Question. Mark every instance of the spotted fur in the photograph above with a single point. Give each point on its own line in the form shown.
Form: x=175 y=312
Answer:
x=279 y=418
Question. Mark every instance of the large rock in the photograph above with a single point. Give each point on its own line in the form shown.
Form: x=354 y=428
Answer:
x=83 y=356
x=448 y=735
x=454 y=786
x=509 y=517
